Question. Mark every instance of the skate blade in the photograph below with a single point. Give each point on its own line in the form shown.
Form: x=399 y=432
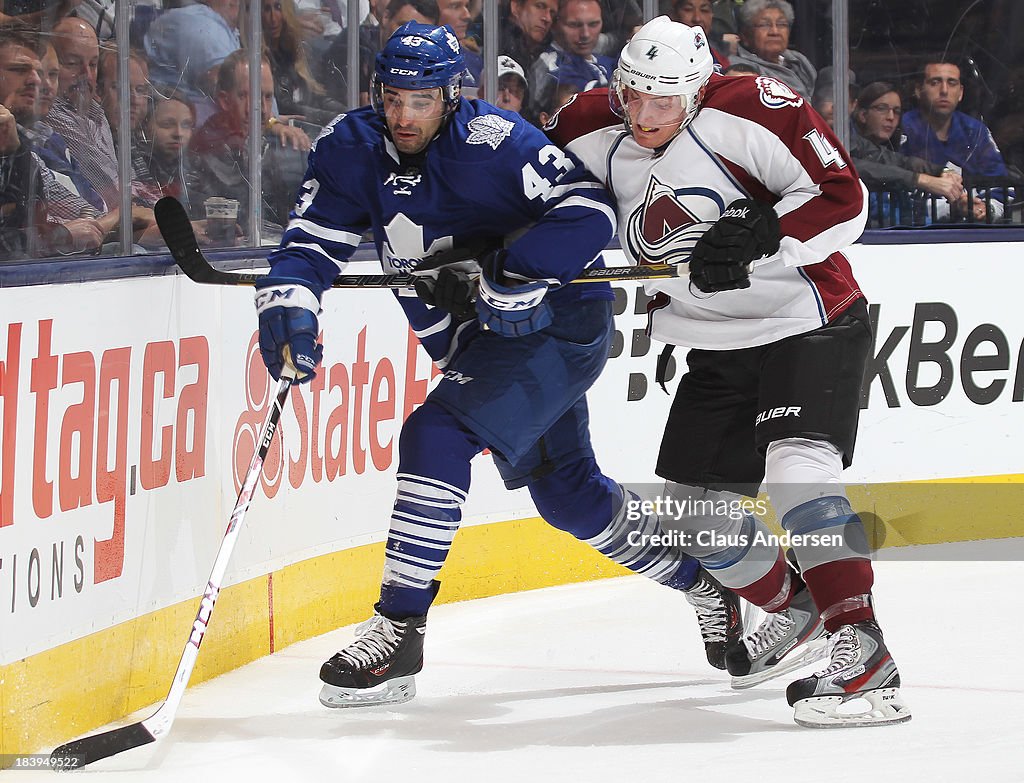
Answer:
x=821 y=712
x=396 y=691
x=798 y=657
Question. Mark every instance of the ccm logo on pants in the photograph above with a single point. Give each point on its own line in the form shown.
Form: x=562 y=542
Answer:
x=775 y=413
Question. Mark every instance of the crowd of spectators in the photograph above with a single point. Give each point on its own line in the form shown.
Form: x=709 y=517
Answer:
x=916 y=141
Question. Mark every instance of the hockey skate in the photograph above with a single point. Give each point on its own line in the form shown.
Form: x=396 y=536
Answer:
x=378 y=667
x=785 y=641
x=718 y=615
x=861 y=668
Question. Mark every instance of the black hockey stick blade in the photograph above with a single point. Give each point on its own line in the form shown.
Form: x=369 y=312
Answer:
x=176 y=229
x=84 y=751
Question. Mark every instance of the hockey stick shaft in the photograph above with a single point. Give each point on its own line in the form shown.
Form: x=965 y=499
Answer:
x=614 y=274
x=181 y=241
x=86 y=750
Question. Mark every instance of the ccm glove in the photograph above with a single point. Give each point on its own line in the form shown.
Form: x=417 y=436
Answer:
x=288 y=309
x=452 y=290
x=721 y=259
x=510 y=308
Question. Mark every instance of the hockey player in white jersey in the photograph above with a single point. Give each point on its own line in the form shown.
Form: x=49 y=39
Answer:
x=428 y=171
x=740 y=178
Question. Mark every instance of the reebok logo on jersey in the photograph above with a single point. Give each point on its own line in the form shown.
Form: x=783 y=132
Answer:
x=736 y=213
x=777 y=413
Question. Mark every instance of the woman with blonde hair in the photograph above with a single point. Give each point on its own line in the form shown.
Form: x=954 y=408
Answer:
x=296 y=90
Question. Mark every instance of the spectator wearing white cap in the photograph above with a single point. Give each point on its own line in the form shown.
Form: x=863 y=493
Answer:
x=512 y=85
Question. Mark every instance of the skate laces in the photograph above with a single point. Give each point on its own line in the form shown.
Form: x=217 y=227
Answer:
x=766 y=636
x=712 y=613
x=376 y=639
x=844 y=653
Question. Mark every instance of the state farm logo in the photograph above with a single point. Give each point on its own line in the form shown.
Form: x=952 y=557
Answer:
x=345 y=421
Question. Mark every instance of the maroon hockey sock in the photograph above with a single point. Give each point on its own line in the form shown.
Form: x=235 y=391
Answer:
x=773 y=591
x=841 y=591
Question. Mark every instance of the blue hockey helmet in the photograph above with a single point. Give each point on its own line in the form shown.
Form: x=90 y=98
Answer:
x=420 y=56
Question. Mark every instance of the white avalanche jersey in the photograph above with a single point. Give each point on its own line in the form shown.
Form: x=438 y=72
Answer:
x=753 y=138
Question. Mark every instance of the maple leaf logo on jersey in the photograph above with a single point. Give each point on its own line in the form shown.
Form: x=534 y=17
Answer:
x=403 y=247
x=775 y=94
x=489 y=129
x=666 y=225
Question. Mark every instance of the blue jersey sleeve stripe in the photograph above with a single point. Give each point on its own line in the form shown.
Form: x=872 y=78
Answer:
x=560 y=190
x=322 y=232
x=316 y=249
x=440 y=326
x=587 y=203
x=455 y=344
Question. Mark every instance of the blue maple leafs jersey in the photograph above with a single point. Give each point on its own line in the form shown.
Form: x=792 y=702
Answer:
x=489 y=175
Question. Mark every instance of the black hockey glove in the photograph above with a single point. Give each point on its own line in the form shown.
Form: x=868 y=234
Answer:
x=452 y=290
x=746 y=231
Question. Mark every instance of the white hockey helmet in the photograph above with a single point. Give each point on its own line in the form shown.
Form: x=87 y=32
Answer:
x=664 y=58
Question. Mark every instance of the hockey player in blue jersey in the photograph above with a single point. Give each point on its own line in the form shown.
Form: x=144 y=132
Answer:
x=428 y=171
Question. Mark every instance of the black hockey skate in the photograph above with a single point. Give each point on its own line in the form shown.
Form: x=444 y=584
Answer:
x=378 y=667
x=785 y=641
x=861 y=668
x=718 y=615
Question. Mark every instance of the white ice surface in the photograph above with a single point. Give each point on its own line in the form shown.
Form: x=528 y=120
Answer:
x=606 y=681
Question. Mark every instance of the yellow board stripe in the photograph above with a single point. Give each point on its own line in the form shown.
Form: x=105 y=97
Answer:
x=70 y=690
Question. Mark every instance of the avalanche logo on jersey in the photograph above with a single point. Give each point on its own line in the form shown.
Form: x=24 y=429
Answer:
x=666 y=225
x=403 y=245
x=489 y=129
x=776 y=95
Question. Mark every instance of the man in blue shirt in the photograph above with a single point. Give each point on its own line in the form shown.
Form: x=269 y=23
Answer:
x=570 y=58
x=939 y=133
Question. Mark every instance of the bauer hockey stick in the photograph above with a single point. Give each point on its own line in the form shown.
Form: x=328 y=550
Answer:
x=177 y=232
x=99 y=746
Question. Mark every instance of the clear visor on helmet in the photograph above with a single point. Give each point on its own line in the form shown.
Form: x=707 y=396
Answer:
x=396 y=104
x=648 y=111
x=651 y=111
